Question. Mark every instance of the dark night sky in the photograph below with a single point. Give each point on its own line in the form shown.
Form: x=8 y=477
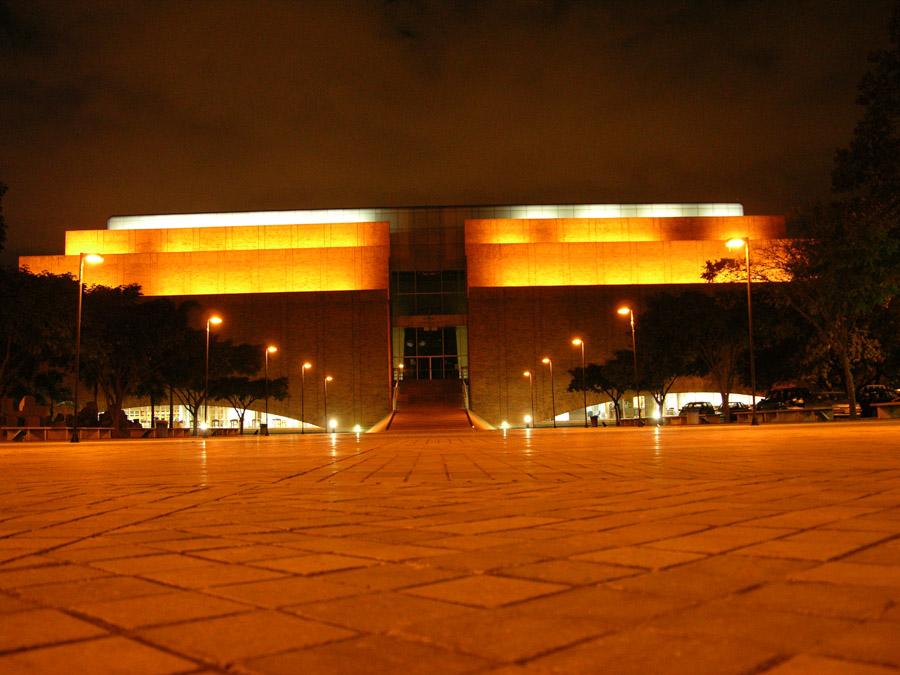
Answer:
x=161 y=106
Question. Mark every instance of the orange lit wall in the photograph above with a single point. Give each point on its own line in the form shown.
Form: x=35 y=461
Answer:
x=246 y=238
x=233 y=260
x=603 y=252
x=563 y=230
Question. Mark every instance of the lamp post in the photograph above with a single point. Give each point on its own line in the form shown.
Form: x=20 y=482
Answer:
x=629 y=312
x=303 y=368
x=547 y=361
x=271 y=349
x=214 y=321
x=530 y=377
x=90 y=259
x=733 y=245
x=578 y=342
x=328 y=378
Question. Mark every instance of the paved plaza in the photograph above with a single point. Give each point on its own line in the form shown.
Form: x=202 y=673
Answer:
x=674 y=550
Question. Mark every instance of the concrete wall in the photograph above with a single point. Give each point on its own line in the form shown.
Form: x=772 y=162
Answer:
x=553 y=230
x=224 y=272
x=599 y=252
x=241 y=238
x=318 y=291
x=345 y=335
x=512 y=329
x=231 y=260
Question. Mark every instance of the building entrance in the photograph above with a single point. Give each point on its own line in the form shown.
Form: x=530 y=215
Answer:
x=431 y=354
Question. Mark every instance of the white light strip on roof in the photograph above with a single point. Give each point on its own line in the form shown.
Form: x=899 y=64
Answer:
x=240 y=219
x=391 y=215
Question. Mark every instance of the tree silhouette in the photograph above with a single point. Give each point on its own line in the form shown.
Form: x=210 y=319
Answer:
x=241 y=392
x=614 y=378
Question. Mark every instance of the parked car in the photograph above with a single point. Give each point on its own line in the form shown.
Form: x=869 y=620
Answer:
x=734 y=406
x=700 y=407
x=875 y=393
x=783 y=398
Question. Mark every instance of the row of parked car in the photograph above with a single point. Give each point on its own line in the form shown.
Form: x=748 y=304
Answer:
x=707 y=408
x=786 y=398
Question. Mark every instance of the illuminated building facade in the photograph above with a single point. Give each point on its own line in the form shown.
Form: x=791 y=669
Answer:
x=480 y=293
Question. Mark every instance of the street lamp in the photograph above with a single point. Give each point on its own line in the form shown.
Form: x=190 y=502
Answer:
x=214 y=320
x=546 y=361
x=578 y=342
x=328 y=378
x=271 y=349
x=303 y=368
x=733 y=245
x=627 y=311
x=90 y=259
x=530 y=377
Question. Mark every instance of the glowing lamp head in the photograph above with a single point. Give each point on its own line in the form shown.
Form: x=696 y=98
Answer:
x=307 y=365
x=527 y=373
x=527 y=419
x=624 y=311
x=214 y=320
x=504 y=425
x=332 y=424
x=735 y=244
x=271 y=349
x=93 y=259
x=357 y=429
x=577 y=342
x=203 y=426
x=545 y=360
x=401 y=366
x=329 y=378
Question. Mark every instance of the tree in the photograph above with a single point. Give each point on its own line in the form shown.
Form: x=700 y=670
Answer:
x=169 y=326
x=842 y=266
x=833 y=274
x=36 y=329
x=714 y=336
x=185 y=371
x=242 y=392
x=664 y=353
x=614 y=378
x=118 y=332
x=3 y=189
x=786 y=350
x=869 y=168
x=49 y=389
x=885 y=329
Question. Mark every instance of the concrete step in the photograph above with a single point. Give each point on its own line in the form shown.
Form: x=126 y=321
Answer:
x=430 y=418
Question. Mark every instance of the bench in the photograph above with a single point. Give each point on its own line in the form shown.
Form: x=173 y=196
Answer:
x=887 y=411
x=25 y=434
x=692 y=418
x=818 y=414
x=180 y=432
x=223 y=431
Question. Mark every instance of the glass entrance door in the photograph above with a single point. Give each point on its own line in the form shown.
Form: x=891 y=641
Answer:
x=430 y=354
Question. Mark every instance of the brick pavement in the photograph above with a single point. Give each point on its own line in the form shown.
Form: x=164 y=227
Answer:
x=708 y=550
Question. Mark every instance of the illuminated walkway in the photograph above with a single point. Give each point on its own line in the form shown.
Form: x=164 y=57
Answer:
x=708 y=550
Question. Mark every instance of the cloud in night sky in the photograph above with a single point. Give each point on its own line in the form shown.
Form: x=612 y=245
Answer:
x=129 y=106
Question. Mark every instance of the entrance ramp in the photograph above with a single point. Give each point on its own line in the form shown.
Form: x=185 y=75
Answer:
x=430 y=405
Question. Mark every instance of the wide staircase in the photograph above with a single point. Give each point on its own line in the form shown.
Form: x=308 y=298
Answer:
x=430 y=405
